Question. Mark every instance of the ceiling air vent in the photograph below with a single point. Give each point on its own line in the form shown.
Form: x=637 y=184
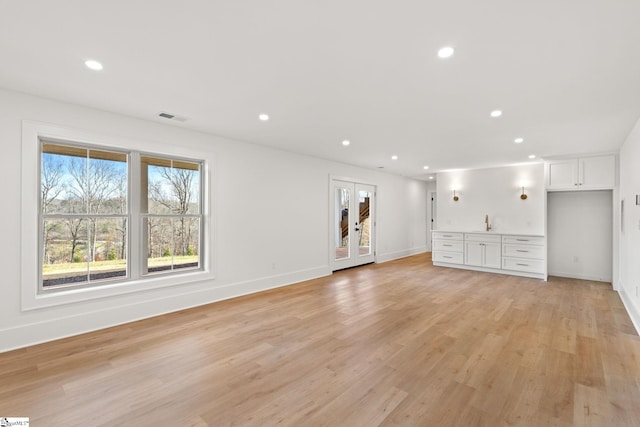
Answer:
x=172 y=117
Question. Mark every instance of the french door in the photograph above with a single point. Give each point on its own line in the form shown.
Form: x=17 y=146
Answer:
x=352 y=239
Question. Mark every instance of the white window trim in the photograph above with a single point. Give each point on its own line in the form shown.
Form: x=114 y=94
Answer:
x=31 y=299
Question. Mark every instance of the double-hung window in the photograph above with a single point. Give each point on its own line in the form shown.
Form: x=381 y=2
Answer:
x=110 y=215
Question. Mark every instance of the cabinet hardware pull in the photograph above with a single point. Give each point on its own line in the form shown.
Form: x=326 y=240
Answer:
x=444 y=256
x=447 y=245
x=524 y=265
x=446 y=235
x=520 y=250
x=522 y=240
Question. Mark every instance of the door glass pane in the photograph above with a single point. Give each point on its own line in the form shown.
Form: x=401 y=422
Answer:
x=364 y=203
x=342 y=223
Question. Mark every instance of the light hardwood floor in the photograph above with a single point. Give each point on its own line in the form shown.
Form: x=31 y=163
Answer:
x=399 y=343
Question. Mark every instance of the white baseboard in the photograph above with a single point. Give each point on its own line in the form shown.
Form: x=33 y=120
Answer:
x=632 y=310
x=54 y=329
x=390 y=256
x=579 y=276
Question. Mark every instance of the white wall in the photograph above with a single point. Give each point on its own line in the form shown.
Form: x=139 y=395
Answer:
x=580 y=234
x=494 y=192
x=629 y=242
x=253 y=233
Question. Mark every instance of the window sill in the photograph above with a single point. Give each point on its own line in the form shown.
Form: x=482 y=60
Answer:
x=73 y=295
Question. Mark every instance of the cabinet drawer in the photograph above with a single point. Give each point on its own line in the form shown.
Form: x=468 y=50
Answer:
x=450 y=257
x=447 y=245
x=523 y=251
x=519 y=264
x=478 y=237
x=446 y=236
x=524 y=240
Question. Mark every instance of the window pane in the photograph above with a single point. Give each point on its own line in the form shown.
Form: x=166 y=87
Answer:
x=172 y=243
x=186 y=238
x=107 y=186
x=53 y=183
x=159 y=244
x=173 y=187
x=81 y=250
x=108 y=248
x=64 y=251
x=63 y=179
x=78 y=180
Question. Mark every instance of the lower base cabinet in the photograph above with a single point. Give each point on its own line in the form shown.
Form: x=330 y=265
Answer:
x=482 y=250
x=519 y=255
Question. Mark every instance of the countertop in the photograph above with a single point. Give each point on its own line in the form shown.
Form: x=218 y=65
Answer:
x=501 y=233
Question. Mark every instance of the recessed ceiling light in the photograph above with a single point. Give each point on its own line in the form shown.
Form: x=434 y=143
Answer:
x=263 y=117
x=345 y=142
x=425 y=167
x=532 y=156
x=446 y=52
x=430 y=177
x=394 y=157
x=496 y=113
x=518 y=140
x=94 y=65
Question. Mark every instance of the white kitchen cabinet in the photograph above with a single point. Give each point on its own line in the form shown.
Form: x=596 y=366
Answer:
x=583 y=173
x=482 y=250
x=447 y=247
x=523 y=253
x=520 y=255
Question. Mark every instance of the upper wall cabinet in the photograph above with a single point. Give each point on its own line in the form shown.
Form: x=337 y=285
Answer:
x=584 y=173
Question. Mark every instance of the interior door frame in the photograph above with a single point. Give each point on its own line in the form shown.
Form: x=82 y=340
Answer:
x=331 y=207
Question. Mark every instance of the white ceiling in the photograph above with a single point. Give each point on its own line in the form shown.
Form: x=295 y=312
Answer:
x=566 y=73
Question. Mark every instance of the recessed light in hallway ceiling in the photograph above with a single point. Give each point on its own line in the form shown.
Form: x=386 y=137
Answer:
x=496 y=113
x=346 y=143
x=93 y=65
x=446 y=52
x=518 y=140
x=263 y=117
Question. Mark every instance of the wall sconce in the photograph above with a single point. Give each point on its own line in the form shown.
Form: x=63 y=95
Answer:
x=523 y=196
x=455 y=198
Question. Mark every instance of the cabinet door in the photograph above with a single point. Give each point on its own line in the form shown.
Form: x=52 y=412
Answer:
x=562 y=174
x=492 y=255
x=474 y=252
x=597 y=172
